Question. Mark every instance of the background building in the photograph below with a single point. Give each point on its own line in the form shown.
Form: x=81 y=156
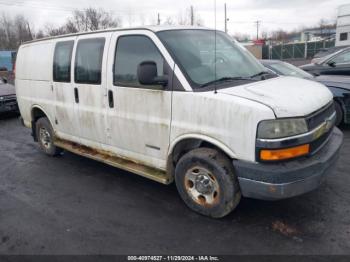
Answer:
x=343 y=26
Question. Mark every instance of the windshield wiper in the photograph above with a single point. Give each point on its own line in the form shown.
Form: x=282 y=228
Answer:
x=226 y=79
x=260 y=74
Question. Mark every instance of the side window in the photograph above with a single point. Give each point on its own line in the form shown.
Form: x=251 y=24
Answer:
x=130 y=52
x=342 y=58
x=343 y=36
x=62 y=61
x=88 y=61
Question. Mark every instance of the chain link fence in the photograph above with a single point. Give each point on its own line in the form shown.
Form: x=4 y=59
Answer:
x=305 y=50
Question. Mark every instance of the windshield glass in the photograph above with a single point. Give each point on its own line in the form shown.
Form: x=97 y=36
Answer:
x=194 y=51
x=289 y=70
x=328 y=56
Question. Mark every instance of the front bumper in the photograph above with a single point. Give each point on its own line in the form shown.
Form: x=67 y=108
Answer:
x=273 y=181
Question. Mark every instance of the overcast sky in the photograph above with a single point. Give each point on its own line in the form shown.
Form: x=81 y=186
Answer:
x=273 y=14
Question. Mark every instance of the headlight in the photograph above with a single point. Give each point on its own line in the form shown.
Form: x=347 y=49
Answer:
x=279 y=128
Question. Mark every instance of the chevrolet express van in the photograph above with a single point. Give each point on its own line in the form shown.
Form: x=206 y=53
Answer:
x=182 y=104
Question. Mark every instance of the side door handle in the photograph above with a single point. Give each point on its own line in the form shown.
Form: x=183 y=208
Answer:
x=110 y=99
x=76 y=95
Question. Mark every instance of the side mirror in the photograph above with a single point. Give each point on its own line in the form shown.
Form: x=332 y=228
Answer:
x=147 y=74
x=331 y=63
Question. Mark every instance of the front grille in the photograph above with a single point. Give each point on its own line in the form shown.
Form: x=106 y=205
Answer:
x=8 y=100
x=317 y=118
x=318 y=143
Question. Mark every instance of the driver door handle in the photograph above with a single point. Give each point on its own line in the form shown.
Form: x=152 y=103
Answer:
x=76 y=95
x=110 y=99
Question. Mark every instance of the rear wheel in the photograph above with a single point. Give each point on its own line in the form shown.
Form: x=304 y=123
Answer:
x=45 y=135
x=206 y=182
x=340 y=114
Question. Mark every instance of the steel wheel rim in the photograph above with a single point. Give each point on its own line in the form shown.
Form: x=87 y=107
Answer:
x=45 y=137
x=202 y=186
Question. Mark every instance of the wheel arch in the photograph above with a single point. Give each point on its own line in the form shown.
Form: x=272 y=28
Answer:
x=185 y=143
x=37 y=112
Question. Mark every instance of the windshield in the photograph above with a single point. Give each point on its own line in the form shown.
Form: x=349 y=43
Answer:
x=289 y=70
x=194 y=51
x=328 y=56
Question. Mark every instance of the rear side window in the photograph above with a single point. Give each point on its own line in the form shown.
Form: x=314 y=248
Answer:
x=62 y=61
x=130 y=52
x=88 y=61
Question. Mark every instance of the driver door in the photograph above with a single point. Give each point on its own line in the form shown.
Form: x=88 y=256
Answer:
x=138 y=117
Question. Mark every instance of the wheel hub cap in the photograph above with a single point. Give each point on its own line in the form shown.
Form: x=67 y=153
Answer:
x=202 y=186
x=45 y=137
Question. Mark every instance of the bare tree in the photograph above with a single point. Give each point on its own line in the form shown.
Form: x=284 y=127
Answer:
x=185 y=18
x=90 y=19
x=264 y=34
x=39 y=34
x=70 y=27
x=22 y=30
x=322 y=25
x=8 y=36
x=53 y=31
x=14 y=31
x=169 y=21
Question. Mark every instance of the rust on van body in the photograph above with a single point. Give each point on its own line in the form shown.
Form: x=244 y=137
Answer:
x=116 y=161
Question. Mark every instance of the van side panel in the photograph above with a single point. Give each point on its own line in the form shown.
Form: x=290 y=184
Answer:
x=34 y=79
x=33 y=61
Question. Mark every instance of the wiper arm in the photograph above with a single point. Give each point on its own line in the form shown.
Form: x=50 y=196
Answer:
x=260 y=74
x=226 y=79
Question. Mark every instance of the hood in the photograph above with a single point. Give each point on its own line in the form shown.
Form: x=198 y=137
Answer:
x=6 y=90
x=287 y=96
x=334 y=81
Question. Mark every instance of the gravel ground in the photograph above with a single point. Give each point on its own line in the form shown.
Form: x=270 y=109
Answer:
x=73 y=205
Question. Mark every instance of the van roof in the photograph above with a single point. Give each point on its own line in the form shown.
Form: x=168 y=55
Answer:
x=150 y=28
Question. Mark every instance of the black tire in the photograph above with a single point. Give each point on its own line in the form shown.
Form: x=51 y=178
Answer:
x=45 y=135
x=340 y=114
x=222 y=180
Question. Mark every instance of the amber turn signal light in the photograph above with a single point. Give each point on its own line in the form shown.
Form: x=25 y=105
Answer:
x=281 y=154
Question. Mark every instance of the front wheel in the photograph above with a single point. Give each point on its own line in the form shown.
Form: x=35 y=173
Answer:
x=206 y=182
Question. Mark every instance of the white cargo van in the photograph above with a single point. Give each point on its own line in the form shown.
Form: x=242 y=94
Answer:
x=184 y=104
